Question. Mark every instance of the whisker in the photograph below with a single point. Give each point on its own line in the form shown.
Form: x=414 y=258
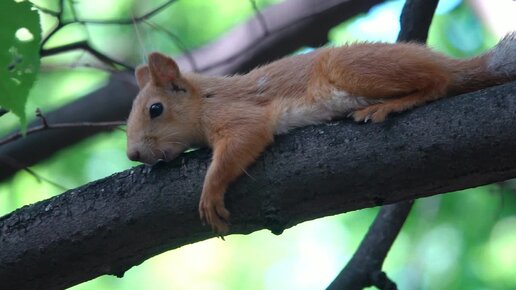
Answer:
x=164 y=154
x=176 y=142
x=152 y=152
x=247 y=173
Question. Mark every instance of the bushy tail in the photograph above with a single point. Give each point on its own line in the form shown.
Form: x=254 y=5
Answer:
x=502 y=58
x=495 y=67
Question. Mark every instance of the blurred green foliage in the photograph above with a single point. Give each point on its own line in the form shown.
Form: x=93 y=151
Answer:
x=19 y=55
x=461 y=240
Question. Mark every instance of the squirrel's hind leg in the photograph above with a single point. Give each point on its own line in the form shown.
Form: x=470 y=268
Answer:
x=397 y=79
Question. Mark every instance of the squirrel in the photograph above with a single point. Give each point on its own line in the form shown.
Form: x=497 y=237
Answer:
x=238 y=116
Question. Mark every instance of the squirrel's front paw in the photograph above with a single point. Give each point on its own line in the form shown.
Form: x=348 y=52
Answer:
x=377 y=113
x=213 y=212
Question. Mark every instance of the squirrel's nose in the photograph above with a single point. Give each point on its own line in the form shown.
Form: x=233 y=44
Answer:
x=134 y=155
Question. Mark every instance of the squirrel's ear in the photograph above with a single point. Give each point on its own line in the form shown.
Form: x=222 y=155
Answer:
x=163 y=69
x=142 y=75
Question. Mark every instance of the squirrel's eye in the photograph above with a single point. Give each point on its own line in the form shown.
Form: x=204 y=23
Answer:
x=155 y=110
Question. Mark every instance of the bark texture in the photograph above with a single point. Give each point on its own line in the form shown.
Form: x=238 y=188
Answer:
x=290 y=24
x=110 y=225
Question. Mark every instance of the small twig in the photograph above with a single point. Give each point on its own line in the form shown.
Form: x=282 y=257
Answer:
x=84 y=45
x=124 y=21
x=187 y=53
x=42 y=118
x=59 y=24
x=260 y=17
x=14 y=163
x=43 y=127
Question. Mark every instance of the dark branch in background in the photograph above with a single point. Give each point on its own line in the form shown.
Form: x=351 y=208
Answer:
x=365 y=267
x=415 y=20
x=108 y=226
x=302 y=22
x=291 y=24
x=3 y=112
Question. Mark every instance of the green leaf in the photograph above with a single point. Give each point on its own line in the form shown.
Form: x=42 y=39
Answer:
x=20 y=37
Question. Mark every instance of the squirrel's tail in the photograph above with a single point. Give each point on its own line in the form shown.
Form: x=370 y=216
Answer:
x=495 y=67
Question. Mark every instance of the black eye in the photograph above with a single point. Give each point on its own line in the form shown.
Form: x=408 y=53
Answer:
x=155 y=110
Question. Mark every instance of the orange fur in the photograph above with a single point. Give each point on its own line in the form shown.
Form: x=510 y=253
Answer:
x=238 y=115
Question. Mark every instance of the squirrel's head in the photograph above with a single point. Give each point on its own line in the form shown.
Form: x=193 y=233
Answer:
x=164 y=119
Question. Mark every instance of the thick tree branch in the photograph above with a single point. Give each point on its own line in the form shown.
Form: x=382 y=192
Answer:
x=110 y=225
x=293 y=23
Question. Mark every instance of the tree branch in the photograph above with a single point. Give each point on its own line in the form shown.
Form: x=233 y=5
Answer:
x=124 y=21
x=295 y=22
x=366 y=263
x=84 y=45
x=110 y=225
x=415 y=20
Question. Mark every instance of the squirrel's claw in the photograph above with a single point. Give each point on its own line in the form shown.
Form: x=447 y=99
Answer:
x=213 y=213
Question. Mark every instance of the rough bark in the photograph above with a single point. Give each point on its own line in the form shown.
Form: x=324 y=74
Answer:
x=290 y=25
x=110 y=225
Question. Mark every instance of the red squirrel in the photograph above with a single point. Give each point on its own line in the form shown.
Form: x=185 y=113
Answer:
x=237 y=116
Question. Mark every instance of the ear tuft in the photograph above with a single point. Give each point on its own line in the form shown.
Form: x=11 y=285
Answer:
x=163 y=69
x=142 y=75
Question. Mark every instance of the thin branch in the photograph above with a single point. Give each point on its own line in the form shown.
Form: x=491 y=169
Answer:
x=364 y=268
x=57 y=27
x=260 y=17
x=15 y=164
x=124 y=21
x=44 y=122
x=187 y=53
x=84 y=45
x=47 y=126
